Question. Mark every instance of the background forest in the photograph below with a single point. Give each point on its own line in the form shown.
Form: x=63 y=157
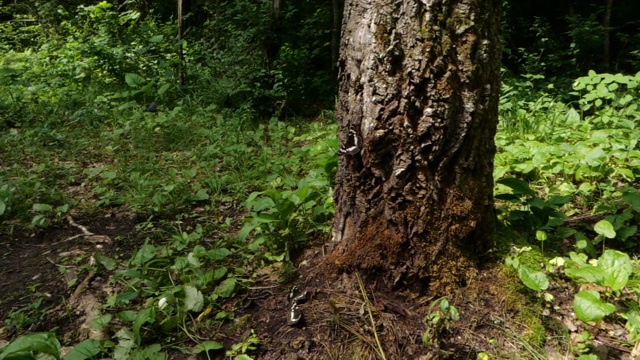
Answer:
x=193 y=159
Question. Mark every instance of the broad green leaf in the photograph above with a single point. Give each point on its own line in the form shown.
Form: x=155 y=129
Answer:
x=193 y=299
x=163 y=89
x=255 y=244
x=594 y=155
x=587 y=273
x=151 y=352
x=41 y=207
x=45 y=343
x=616 y=268
x=146 y=315
x=518 y=186
x=444 y=305
x=588 y=306
x=633 y=325
x=156 y=39
x=242 y=357
x=588 y=357
x=206 y=346
x=101 y=322
x=627 y=173
x=219 y=273
x=192 y=259
x=632 y=198
x=454 y=314
x=133 y=80
x=3 y=207
x=144 y=254
x=572 y=116
x=108 y=175
x=604 y=227
x=260 y=204
x=580 y=259
x=38 y=220
x=84 y=350
x=626 y=232
x=106 y=261
x=227 y=288
x=247 y=228
x=534 y=280
x=218 y=254
x=558 y=200
x=127 y=315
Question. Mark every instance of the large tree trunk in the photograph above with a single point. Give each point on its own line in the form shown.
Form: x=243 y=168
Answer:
x=418 y=101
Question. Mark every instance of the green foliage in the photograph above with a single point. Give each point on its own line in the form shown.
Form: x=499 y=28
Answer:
x=612 y=270
x=585 y=155
x=27 y=346
x=441 y=316
x=77 y=77
x=282 y=221
x=32 y=313
x=283 y=218
x=535 y=280
x=262 y=60
x=74 y=139
x=240 y=349
x=589 y=307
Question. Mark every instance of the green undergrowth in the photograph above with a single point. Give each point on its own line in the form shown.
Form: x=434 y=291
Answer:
x=194 y=174
x=153 y=164
x=566 y=180
x=565 y=188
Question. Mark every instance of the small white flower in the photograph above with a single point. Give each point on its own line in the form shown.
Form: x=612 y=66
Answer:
x=162 y=303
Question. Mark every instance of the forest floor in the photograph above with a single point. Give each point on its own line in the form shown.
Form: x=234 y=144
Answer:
x=47 y=281
x=165 y=235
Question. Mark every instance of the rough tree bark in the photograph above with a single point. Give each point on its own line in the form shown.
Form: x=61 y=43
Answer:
x=417 y=110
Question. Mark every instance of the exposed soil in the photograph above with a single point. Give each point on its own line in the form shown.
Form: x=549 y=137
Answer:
x=343 y=316
x=48 y=266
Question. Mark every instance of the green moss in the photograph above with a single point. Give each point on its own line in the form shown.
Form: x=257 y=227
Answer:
x=517 y=296
x=634 y=280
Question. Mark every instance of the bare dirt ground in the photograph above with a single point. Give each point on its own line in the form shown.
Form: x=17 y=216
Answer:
x=343 y=316
x=46 y=267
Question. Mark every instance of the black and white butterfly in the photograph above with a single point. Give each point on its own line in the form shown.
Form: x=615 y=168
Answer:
x=352 y=145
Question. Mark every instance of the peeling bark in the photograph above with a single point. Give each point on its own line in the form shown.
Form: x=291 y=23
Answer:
x=419 y=83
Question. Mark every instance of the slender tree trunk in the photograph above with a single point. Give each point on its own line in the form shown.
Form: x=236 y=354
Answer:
x=607 y=35
x=417 y=109
x=180 y=47
x=271 y=43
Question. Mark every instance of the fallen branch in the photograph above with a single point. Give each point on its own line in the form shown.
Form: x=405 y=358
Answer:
x=88 y=235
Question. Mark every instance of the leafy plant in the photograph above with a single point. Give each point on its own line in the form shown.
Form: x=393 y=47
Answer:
x=27 y=346
x=612 y=270
x=282 y=221
x=32 y=313
x=531 y=211
x=239 y=350
x=441 y=316
x=533 y=279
